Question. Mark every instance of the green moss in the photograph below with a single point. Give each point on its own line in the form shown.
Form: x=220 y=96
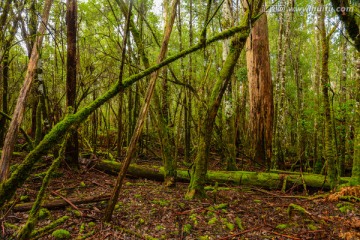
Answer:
x=212 y=220
x=161 y=202
x=77 y=213
x=257 y=201
x=91 y=224
x=159 y=227
x=82 y=184
x=312 y=227
x=24 y=198
x=187 y=228
x=230 y=226
x=345 y=207
x=44 y=213
x=238 y=222
x=282 y=226
x=293 y=207
x=206 y=237
x=221 y=206
x=61 y=234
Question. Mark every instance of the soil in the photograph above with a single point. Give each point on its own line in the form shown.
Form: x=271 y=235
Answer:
x=147 y=210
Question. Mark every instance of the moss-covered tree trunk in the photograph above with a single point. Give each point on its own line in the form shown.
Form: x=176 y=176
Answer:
x=329 y=149
x=199 y=169
x=356 y=162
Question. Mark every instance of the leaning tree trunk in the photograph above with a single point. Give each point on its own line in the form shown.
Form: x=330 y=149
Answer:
x=142 y=115
x=72 y=145
x=260 y=90
x=21 y=102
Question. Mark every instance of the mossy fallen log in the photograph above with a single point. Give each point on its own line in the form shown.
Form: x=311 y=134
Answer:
x=259 y=179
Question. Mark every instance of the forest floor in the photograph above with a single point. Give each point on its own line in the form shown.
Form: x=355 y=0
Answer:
x=147 y=210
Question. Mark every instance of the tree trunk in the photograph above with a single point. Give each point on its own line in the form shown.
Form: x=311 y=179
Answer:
x=260 y=87
x=329 y=152
x=72 y=145
x=142 y=115
x=268 y=180
x=20 y=104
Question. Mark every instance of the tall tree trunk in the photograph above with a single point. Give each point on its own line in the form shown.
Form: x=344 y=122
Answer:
x=355 y=177
x=72 y=145
x=142 y=115
x=329 y=135
x=260 y=87
x=20 y=104
x=342 y=127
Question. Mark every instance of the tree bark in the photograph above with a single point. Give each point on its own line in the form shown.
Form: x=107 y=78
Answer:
x=260 y=87
x=72 y=145
x=20 y=104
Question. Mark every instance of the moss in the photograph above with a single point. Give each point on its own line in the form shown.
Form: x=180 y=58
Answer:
x=159 y=227
x=221 y=206
x=345 y=207
x=187 y=228
x=61 y=234
x=44 y=213
x=257 y=201
x=91 y=224
x=82 y=184
x=161 y=202
x=46 y=229
x=77 y=213
x=238 y=222
x=312 y=227
x=282 y=226
x=24 y=198
x=293 y=207
x=212 y=221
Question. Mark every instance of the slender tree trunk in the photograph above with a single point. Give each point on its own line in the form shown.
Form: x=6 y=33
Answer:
x=72 y=145
x=260 y=87
x=329 y=135
x=142 y=116
x=20 y=105
x=355 y=177
x=343 y=123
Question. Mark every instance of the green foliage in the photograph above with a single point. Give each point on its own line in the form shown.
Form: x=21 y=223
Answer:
x=212 y=220
x=161 y=202
x=238 y=222
x=61 y=234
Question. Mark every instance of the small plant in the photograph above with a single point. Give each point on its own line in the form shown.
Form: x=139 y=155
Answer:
x=82 y=184
x=193 y=217
x=61 y=234
x=161 y=202
x=24 y=198
x=91 y=224
x=257 y=201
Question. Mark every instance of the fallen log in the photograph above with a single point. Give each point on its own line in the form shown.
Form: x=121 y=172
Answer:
x=268 y=180
x=59 y=203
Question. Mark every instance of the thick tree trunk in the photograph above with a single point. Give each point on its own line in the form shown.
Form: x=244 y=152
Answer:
x=17 y=118
x=72 y=146
x=271 y=180
x=260 y=87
